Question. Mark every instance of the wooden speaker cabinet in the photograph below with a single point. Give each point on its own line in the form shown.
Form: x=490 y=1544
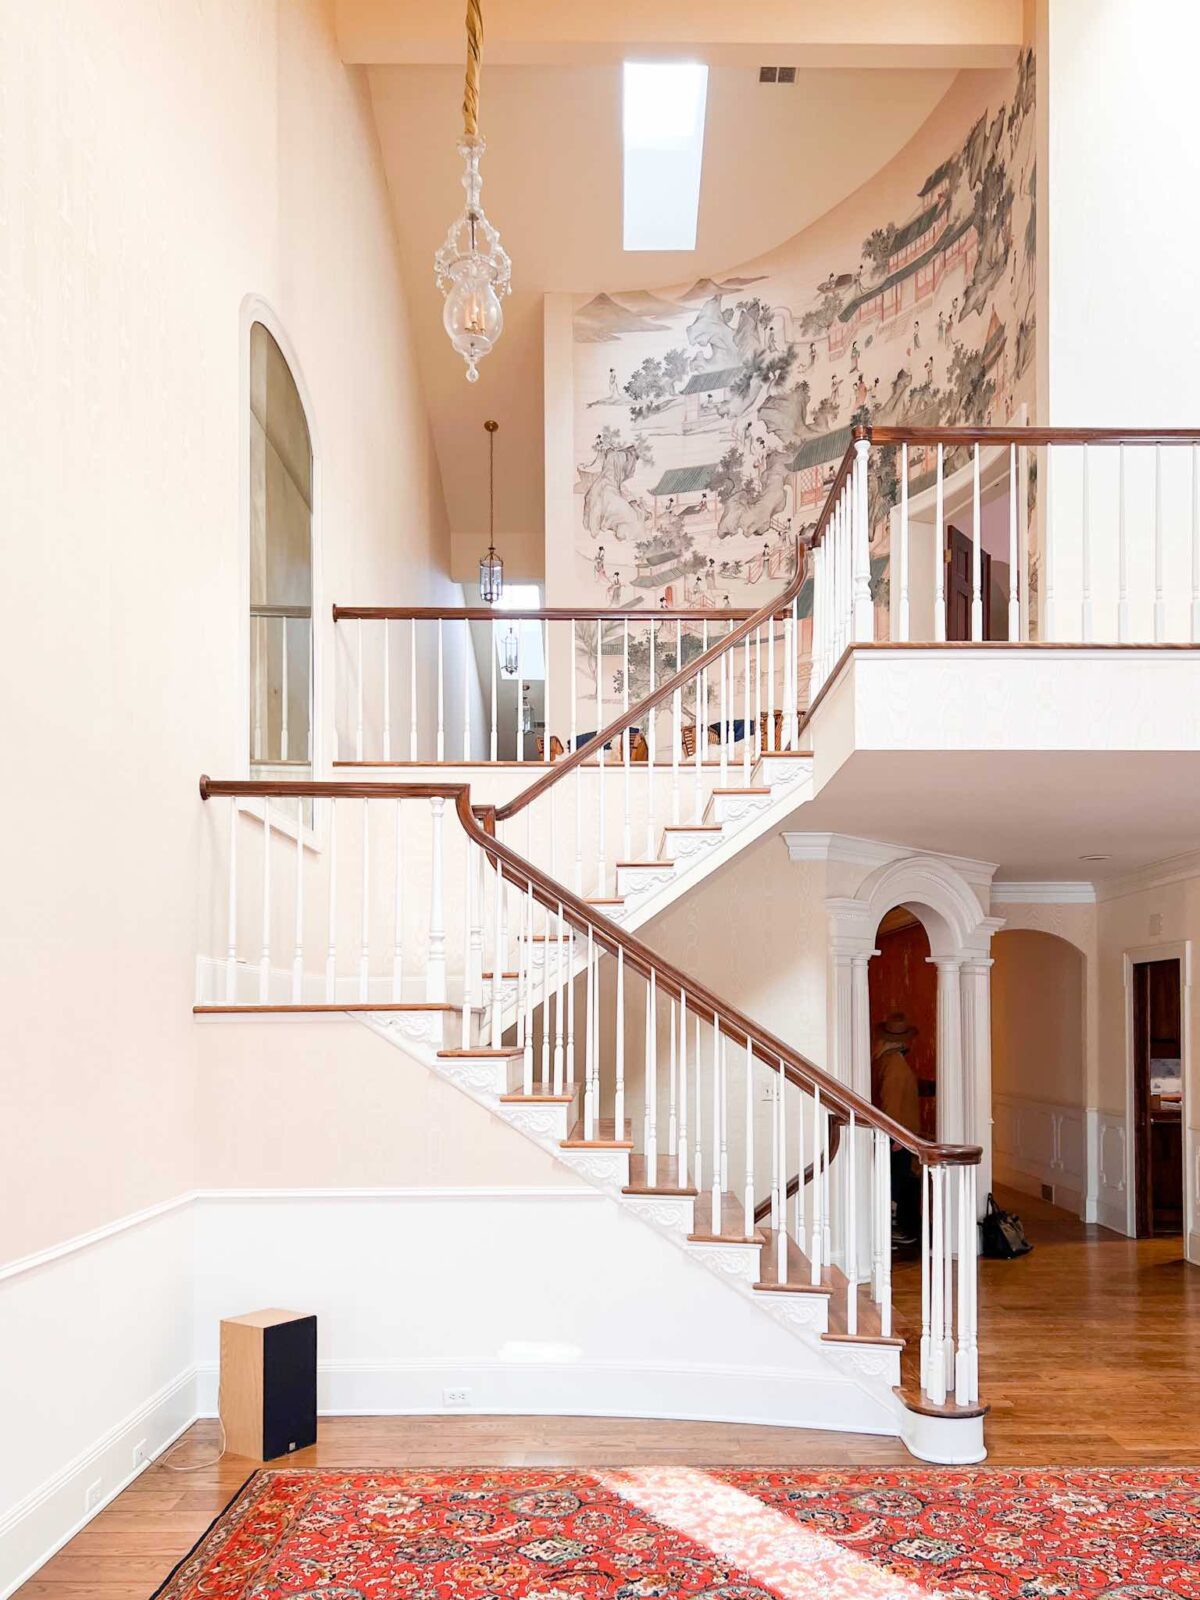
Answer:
x=268 y=1385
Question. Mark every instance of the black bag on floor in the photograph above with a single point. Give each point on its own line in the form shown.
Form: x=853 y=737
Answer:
x=1002 y=1235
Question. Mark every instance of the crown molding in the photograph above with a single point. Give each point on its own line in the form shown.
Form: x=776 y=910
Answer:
x=1044 y=893
x=1154 y=875
x=848 y=849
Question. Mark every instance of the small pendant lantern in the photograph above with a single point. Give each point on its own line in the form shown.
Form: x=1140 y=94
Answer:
x=491 y=568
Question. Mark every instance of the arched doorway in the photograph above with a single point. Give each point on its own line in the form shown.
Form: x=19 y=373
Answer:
x=902 y=983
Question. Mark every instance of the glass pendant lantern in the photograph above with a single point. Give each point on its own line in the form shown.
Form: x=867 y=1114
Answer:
x=491 y=568
x=510 y=653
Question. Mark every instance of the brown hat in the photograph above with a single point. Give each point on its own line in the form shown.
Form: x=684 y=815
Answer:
x=896 y=1026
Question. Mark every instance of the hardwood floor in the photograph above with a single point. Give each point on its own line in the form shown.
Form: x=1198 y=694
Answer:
x=1090 y=1354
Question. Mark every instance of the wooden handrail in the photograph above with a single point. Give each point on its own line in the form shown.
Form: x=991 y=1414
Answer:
x=763 y=1208
x=540 y=614
x=777 y=1055
x=1030 y=435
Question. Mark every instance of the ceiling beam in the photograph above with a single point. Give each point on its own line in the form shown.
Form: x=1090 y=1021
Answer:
x=805 y=33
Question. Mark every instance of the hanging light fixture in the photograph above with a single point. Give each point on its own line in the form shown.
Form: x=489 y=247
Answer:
x=510 y=653
x=491 y=568
x=472 y=269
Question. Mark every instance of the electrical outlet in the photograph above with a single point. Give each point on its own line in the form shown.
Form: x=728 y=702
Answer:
x=94 y=1491
x=456 y=1397
x=141 y=1456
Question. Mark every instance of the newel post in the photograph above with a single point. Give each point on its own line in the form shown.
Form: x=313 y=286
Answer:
x=864 y=608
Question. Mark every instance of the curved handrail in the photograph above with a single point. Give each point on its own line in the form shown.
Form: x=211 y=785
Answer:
x=536 y=614
x=763 y=1208
x=556 y=897
x=637 y=713
x=1028 y=435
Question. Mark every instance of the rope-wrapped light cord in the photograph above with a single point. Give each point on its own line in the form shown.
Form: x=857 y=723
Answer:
x=474 y=52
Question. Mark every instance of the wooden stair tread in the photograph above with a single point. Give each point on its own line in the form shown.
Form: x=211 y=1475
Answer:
x=786 y=755
x=666 y=1177
x=917 y=1401
x=870 y=1327
x=488 y=976
x=299 y=1008
x=604 y=1136
x=733 y=1222
x=748 y=789
x=645 y=864
x=799 y=1269
x=692 y=827
x=606 y=900
x=542 y=1093
x=507 y=1051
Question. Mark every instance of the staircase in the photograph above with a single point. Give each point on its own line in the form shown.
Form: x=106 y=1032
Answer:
x=544 y=1006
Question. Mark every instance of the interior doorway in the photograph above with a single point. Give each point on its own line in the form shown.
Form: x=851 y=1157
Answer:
x=1158 y=1098
x=960 y=586
x=902 y=982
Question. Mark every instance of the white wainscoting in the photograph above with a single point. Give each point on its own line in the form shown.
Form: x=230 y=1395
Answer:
x=1041 y=1142
x=1108 y=1144
x=535 y=1300
x=96 y=1359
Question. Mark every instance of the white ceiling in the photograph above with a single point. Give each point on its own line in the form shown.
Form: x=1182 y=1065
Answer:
x=776 y=158
x=1007 y=807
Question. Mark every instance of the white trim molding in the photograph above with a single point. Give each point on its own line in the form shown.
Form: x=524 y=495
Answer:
x=1155 y=875
x=1012 y=893
x=1038 y=1142
x=850 y=850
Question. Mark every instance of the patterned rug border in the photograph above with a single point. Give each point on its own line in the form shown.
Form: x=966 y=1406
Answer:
x=259 y=1472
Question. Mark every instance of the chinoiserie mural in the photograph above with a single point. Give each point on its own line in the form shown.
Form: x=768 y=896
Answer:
x=709 y=420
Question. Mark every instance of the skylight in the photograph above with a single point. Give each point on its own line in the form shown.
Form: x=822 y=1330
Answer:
x=664 y=147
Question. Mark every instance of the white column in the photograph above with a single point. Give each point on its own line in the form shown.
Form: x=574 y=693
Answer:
x=950 y=1099
x=976 y=1002
x=842 y=1053
x=860 y=1024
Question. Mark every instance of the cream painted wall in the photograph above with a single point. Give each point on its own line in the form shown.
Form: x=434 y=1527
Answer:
x=160 y=164
x=1038 y=1017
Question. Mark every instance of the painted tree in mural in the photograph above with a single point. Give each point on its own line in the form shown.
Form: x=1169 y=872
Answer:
x=606 y=507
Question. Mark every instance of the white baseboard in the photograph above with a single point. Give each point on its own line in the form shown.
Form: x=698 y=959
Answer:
x=675 y=1392
x=40 y=1524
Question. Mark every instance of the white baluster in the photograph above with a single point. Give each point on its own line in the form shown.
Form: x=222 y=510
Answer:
x=1048 y=618
x=412 y=690
x=781 y=1238
x=746 y=712
x=771 y=695
x=548 y=950
x=364 y=939
x=475 y=956
x=748 y=1148
x=627 y=828
x=1085 y=610
x=815 y=1255
x=619 y=1047
x=499 y=955
x=816 y=674
x=676 y=750
x=650 y=1096
x=547 y=701
x=468 y=996
x=851 y=1201
x=527 y=997
x=650 y=734
x=466 y=658
x=885 y=1233
x=260 y=681
x=561 y=975
x=264 y=960
x=698 y=1134
x=397 y=908
x=520 y=700
x=1014 y=601
x=331 y=948
x=948 y=1346
x=723 y=663
x=864 y=606
x=758 y=690
x=570 y=975
x=672 y=1070
x=903 y=553
x=298 y=955
x=926 y=1276
x=966 y=1263
x=701 y=717
x=1195 y=544
x=799 y=1225
x=718 y=1134
x=524 y=977
x=1122 y=552
x=939 y=547
x=1160 y=604
x=435 y=978
x=232 y=908
x=358 y=684
x=976 y=550
x=681 y=1148
x=494 y=734
x=387 y=692
x=284 y=747
x=601 y=874
x=935 y=1267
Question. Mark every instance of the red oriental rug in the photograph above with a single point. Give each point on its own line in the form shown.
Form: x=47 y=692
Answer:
x=634 y=1534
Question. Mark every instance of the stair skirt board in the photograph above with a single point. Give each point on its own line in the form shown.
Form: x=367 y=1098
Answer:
x=870 y=1371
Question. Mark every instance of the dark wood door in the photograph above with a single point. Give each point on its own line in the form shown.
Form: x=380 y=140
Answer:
x=958 y=586
x=1158 y=1108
